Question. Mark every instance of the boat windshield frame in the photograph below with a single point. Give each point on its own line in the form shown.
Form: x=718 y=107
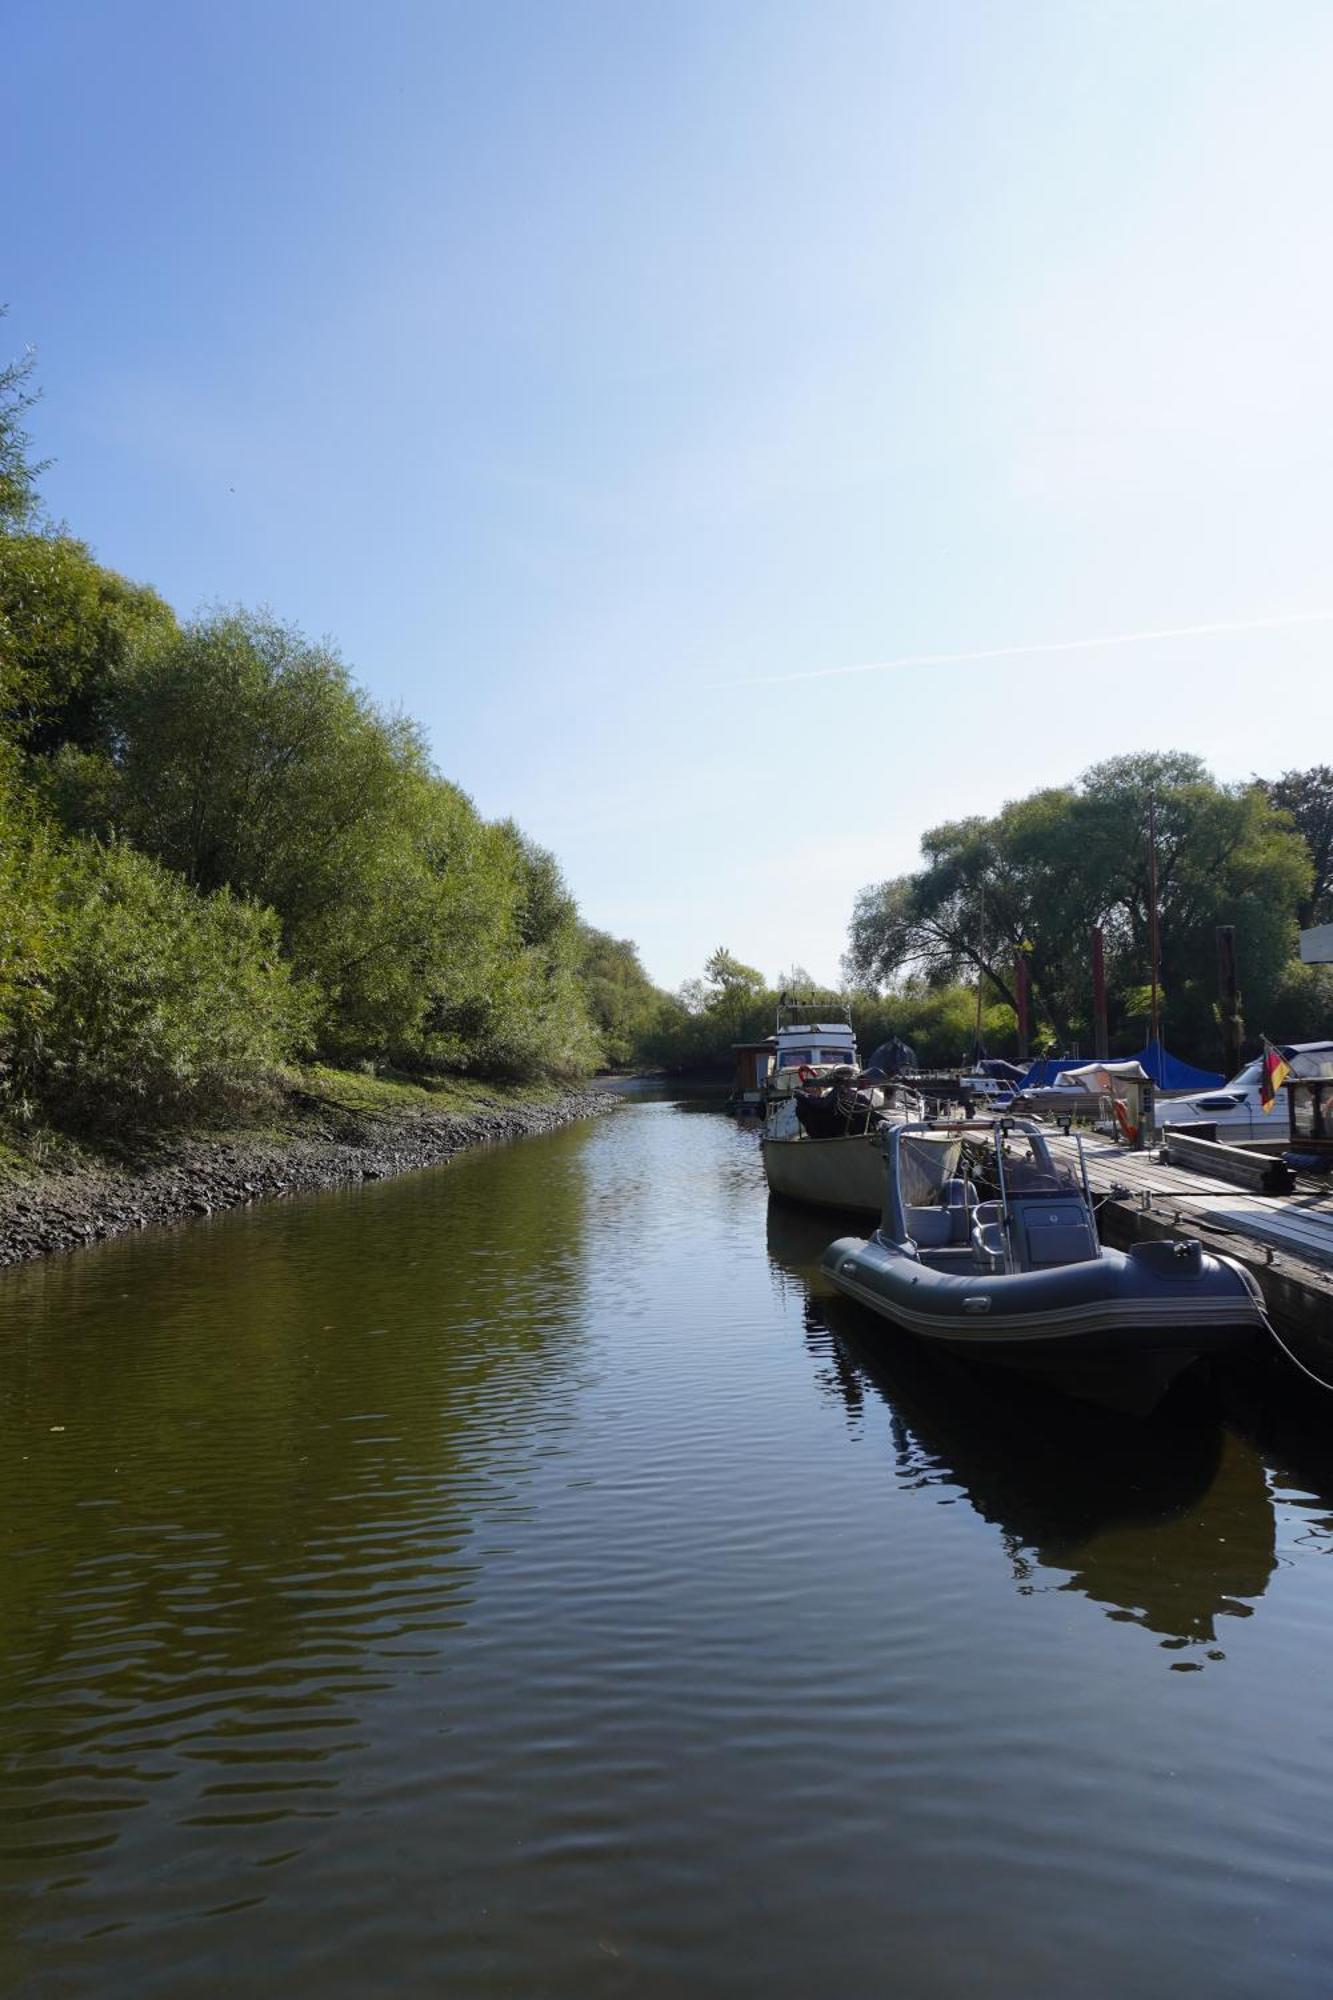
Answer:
x=1051 y=1177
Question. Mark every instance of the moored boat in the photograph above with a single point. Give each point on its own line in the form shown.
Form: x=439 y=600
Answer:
x=823 y=1143
x=1003 y=1264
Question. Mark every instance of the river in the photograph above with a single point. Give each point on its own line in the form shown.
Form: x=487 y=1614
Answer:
x=522 y=1579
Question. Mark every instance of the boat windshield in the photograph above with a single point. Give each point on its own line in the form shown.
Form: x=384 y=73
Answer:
x=926 y=1160
x=1029 y=1171
x=1026 y=1169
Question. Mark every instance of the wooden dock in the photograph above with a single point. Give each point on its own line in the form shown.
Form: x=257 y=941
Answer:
x=1286 y=1240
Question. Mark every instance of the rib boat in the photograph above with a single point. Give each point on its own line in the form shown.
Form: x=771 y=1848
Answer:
x=1004 y=1265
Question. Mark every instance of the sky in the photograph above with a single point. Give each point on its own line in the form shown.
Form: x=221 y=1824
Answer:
x=721 y=425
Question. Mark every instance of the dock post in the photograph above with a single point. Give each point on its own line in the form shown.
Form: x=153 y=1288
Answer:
x=1021 y=993
x=1101 y=1042
x=1229 y=994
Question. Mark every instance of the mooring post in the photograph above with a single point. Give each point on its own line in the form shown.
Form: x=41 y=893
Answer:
x=1229 y=993
x=1101 y=1043
x=1021 y=995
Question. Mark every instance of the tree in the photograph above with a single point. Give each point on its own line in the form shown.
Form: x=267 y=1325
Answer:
x=161 y=1001
x=68 y=627
x=30 y=924
x=1039 y=875
x=1306 y=797
x=18 y=472
x=625 y=1005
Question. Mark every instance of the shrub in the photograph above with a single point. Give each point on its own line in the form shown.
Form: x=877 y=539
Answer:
x=163 y=1002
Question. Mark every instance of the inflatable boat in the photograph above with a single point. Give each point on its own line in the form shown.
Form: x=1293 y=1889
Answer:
x=1004 y=1265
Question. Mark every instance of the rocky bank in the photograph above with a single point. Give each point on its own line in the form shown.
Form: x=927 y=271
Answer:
x=84 y=1199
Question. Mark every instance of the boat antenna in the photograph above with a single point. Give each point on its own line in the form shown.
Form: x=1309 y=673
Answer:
x=1154 y=942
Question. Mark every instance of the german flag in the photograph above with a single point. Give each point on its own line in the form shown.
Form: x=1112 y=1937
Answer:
x=1275 y=1072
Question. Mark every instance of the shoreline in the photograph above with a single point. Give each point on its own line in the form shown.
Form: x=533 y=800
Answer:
x=89 y=1197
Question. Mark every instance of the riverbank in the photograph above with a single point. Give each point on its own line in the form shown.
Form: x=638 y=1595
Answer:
x=325 y=1129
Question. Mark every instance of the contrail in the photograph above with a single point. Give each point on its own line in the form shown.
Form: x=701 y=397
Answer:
x=1048 y=646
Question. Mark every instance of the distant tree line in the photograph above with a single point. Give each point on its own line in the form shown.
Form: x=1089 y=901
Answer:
x=1032 y=881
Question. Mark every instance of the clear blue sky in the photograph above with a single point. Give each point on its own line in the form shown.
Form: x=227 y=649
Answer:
x=570 y=364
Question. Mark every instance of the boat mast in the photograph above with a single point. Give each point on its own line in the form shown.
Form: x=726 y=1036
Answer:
x=1154 y=946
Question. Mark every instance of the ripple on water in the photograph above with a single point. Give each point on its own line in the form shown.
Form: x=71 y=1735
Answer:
x=522 y=1577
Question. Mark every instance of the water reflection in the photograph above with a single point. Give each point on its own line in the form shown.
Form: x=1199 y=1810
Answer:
x=1167 y=1524
x=251 y=1472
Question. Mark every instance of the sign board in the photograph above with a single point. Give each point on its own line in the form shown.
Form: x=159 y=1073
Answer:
x=1317 y=945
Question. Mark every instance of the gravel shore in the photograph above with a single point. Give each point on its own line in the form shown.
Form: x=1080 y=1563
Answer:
x=72 y=1204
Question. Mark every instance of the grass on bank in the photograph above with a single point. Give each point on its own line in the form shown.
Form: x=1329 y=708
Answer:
x=300 y=1100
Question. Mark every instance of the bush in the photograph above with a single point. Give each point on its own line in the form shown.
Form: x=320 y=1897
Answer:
x=30 y=869
x=162 y=1002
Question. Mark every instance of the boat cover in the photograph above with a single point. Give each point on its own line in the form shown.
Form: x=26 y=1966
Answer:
x=1168 y=1072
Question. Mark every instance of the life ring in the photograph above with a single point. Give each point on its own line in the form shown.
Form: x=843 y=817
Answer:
x=1122 y=1119
x=804 y=1074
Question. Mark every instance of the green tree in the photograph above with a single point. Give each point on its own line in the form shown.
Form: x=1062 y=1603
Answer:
x=1043 y=871
x=67 y=630
x=19 y=473
x=161 y=1002
x=1306 y=797
x=30 y=926
x=625 y=1005
x=244 y=758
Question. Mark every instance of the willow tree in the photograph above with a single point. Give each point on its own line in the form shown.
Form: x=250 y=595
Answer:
x=1037 y=876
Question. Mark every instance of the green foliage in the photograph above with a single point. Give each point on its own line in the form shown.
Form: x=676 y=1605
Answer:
x=30 y=862
x=243 y=756
x=214 y=847
x=939 y=1022
x=627 y=1009
x=1306 y=798
x=161 y=1002
x=18 y=472
x=67 y=629
x=1047 y=868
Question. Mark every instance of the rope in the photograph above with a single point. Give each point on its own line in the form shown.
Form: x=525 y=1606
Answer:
x=1295 y=1358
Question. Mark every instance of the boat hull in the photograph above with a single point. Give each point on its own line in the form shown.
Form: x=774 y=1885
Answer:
x=827 y=1173
x=1118 y=1329
x=846 y=1173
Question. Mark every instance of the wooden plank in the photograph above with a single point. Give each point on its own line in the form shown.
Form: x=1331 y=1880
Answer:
x=1229 y=1163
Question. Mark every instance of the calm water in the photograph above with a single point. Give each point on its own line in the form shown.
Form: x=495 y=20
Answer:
x=521 y=1579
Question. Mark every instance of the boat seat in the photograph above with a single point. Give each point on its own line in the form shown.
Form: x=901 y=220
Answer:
x=932 y=1228
x=960 y=1199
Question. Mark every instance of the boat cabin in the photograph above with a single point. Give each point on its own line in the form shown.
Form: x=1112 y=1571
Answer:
x=803 y=1043
x=1310 y=1114
x=753 y=1066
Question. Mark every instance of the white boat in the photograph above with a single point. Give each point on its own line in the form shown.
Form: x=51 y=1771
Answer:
x=798 y=1050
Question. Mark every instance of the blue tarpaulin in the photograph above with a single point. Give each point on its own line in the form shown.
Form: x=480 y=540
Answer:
x=1168 y=1072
